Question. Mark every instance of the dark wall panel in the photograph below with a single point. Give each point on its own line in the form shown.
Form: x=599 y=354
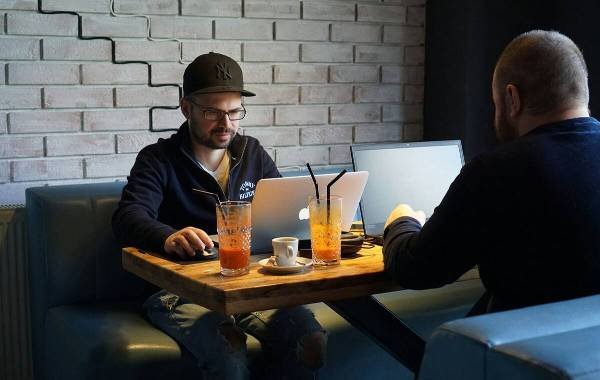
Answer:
x=463 y=41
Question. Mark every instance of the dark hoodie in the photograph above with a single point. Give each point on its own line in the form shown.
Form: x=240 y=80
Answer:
x=158 y=199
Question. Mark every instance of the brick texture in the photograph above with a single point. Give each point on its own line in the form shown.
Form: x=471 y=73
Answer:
x=277 y=136
x=110 y=73
x=257 y=115
x=355 y=33
x=294 y=73
x=41 y=24
x=20 y=48
x=355 y=113
x=166 y=119
x=340 y=154
x=107 y=26
x=326 y=135
x=378 y=133
x=326 y=53
x=353 y=73
x=35 y=170
x=14 y=147
x=43 y=73
x=221 y=8
x=326 y=94
x=77 y=97
x=301 y=30
x=91 y=6
x=243 y=30
x=133 y=142
x=299 y=156
x=109 y=166
x=297 y=115
x=44 y=121
x=79 y=144
x=271 y=52
x=167 y=72
x=193 y=49
x=60 y=49
x=327 y=74
x=272 y=8
x=319 y=10
x=20 y=97
x=180 y=27
x=381 y=13
x=116 y=120
x=146 y=96
x=161 y=7
x=3 y=123
x=146 y=50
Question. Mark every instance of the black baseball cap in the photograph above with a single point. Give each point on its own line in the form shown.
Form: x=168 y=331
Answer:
x=213 y=72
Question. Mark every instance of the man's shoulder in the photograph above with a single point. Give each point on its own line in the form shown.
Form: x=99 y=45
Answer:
x=163 y=144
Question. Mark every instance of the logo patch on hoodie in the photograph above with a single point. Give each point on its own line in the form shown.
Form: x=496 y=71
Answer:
x=247 y=190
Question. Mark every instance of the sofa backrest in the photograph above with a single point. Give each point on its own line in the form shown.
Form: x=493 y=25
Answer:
x=73 y=255
x=558 y=340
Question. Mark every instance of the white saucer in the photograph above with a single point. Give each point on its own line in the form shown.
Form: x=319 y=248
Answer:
x=301 y=265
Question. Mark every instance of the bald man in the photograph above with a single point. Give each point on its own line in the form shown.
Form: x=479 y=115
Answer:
x=527 y=213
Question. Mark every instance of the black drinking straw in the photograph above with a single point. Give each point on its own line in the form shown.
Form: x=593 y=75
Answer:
x=314 y=181
x=329 y=188
x=218 y=202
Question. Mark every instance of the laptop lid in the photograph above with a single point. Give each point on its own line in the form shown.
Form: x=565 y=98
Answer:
x=418 y=174
x=279 y=207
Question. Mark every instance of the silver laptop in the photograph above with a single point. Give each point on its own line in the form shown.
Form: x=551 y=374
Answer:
x=279 y=207
x=418 y=174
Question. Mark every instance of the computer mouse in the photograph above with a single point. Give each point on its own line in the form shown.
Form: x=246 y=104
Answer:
x=200 y=255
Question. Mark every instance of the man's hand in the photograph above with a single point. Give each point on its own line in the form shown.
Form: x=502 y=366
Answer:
x=405 y=210
x=185 y=241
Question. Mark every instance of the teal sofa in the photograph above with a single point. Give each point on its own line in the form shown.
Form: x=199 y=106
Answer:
x=87 y=321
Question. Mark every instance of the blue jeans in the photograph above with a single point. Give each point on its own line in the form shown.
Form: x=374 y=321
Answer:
x=198 y=329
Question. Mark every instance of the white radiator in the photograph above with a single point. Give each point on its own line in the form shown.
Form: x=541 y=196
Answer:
x=15 y=333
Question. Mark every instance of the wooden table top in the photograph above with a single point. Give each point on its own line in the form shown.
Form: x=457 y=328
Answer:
x=202 y=283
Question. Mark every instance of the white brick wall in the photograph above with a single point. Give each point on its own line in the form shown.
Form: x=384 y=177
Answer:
x=92 y=6
x=60 y=49
x=326 y=73
x=44 y=121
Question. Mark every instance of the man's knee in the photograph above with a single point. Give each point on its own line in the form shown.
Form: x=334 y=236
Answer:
x=312 y=349
x=235 y=338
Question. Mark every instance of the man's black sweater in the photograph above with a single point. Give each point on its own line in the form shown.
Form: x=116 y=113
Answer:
x=527 y=213
x=159 y=198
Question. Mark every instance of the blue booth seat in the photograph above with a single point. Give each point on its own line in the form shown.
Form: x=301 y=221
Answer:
x=87 y=321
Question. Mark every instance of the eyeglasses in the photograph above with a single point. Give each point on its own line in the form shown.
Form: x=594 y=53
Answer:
x=213 y=114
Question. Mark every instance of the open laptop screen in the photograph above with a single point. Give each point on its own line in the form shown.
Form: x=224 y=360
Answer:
x=418 y=174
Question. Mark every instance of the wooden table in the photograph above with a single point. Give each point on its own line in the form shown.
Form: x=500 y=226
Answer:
x=346 y=288
x=202 y=283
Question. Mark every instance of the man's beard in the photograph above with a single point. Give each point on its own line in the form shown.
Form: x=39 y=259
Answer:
x=505 y=132
x=208 y=141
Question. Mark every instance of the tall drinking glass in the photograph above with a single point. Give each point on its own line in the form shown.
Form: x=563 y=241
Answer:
x=325 y=230
x=234 y=227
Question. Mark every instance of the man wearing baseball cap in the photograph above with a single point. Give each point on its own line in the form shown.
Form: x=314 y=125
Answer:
x=159 y=211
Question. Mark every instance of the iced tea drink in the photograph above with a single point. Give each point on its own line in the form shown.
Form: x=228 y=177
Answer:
x=325 y=230
x=234 y=227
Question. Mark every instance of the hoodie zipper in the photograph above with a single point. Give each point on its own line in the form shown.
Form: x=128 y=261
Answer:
x=221 y=192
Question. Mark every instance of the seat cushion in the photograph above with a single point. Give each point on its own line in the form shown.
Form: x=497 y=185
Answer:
x=111 y=341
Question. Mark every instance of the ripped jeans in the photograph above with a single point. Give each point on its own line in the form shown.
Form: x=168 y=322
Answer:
x=198 y=329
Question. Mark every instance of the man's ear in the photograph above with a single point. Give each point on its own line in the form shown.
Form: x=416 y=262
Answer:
x=513 y=100
x=186 y=108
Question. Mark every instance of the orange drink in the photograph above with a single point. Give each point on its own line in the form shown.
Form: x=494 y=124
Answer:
x=325 y=230
x=234 y=228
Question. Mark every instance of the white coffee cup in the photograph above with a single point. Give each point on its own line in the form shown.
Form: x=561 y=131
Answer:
x=285 y=250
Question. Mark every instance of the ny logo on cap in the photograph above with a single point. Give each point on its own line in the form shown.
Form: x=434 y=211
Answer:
x=223 y=71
